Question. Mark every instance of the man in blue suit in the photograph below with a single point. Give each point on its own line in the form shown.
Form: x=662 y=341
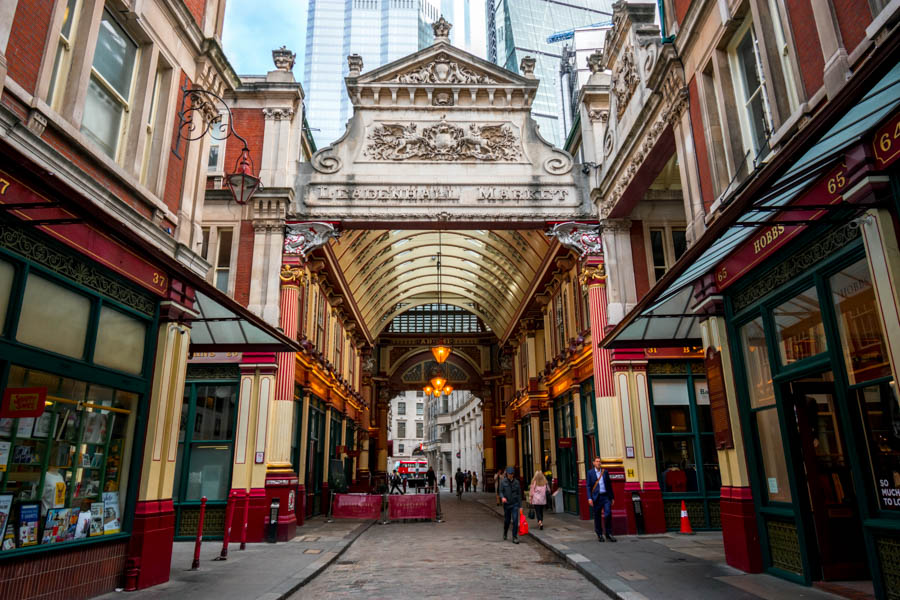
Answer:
x=600 y=496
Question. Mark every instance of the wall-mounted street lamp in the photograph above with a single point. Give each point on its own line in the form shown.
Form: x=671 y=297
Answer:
x=242 y=182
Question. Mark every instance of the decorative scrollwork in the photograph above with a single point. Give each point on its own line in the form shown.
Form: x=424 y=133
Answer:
x=559 y=164
x=324 y=161
x=210 y=107
x=443 y=70
x=443 y=142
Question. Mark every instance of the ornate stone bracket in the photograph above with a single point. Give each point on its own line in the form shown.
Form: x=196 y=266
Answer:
x=303 y=238
x=581 y=237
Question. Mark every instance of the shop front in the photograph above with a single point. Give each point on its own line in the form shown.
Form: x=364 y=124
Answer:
x=75 y=375
x=566 y=451
x=820 y=402
x=205 y=449
x=315 y=457
x=687 y=462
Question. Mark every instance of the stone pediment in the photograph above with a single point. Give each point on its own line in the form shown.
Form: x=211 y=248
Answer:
x=442 y=73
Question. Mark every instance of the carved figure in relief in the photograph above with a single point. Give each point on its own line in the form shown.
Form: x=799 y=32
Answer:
x=443 y=142
x=443 y=70
x=625 y=80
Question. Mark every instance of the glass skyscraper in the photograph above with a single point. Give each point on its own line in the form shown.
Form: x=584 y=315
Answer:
x=380 y=31
x=519 y=28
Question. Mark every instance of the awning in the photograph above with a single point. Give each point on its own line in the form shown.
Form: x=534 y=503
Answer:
x=222 y=325
x=667 y=298
x=667 y=320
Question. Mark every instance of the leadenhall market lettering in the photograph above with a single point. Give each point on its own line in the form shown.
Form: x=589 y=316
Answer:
x=443 y=193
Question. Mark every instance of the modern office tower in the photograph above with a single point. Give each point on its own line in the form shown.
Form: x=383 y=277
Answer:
x=519 y=28
x=380 y=31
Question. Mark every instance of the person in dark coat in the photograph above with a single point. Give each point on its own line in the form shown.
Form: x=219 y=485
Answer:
x=600 y=496
x=511 y=498
x=431 y=479
x=460 y=481
x=395 y=483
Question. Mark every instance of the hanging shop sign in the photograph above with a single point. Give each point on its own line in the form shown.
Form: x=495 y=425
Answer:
x=675 y=353
x=886 y=142
x=718 y=400
x=770 y=238
x=82 y=237
x=23 y=402
x=564 y=442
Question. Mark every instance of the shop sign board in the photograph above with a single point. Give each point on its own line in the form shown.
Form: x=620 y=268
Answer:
x=886 y=142
x=84 y=238
x=215 y=358
x=23 y=402
x=889 y=491
x=564 y=442
x=718 y=400
x=769 y=238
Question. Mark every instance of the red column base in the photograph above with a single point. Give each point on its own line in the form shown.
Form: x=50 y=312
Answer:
x=257 y=515
x=584 y=511
x=739 y=530
x=283 y=486
x=652 y=506
x=300 y=512
x=150 y=546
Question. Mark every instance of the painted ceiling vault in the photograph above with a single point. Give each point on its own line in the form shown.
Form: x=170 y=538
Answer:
x=485 y=272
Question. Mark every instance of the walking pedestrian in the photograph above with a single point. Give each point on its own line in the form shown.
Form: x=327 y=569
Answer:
x=443 y=480
x=600 y=496
x=540 y=495
x=395 y=483
x=511 y=497
x=474 y=481
x=431 y=479
x=460 y=482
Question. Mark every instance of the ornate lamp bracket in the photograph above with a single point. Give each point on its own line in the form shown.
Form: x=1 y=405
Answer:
x=302 y=238
x=210 y=107
x=583 y=238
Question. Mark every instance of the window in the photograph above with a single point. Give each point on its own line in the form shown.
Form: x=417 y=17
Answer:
x=419 y=429
x=68 y=469
x=69 y=312
x=560 y=323
x=401 y=408
x=400 y=449
x=401 y=431
x=798 y=323
x=150 y=126
x=109 y=88
x=420 y=408
x=320 y=322
x=217 y=135
x=221 y=241
x=338 y=346
x=63 y=59
x=420 y=394
x=667 y=244
x=755 y=114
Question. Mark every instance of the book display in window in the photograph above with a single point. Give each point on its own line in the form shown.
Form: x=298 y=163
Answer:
x=62 y=471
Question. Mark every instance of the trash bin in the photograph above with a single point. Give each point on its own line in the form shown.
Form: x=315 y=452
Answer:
x=638 y=512
x=558 y=501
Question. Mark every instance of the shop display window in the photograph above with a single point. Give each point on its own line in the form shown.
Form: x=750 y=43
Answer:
x=756 y=361
x=880 y=408
x=798 y=324
x=776 y=484
x=69 y=312
x=64 y=474
x=862 y=338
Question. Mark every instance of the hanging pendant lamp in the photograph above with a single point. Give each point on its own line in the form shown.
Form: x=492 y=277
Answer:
x=440 y=351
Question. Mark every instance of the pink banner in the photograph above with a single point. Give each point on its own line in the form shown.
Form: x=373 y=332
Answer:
x=412 y=506
x=356 y=506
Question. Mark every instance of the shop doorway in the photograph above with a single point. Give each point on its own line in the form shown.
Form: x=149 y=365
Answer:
x=834 y=529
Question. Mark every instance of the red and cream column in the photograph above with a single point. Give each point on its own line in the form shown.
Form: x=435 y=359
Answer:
x=150 y=545
x=281 y=479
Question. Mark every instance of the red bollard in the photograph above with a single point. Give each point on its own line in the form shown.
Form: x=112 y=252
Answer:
x=229 y=517
x=246 y=517
x=196 y=564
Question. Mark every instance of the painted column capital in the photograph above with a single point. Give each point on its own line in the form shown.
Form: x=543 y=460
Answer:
x=293 y=276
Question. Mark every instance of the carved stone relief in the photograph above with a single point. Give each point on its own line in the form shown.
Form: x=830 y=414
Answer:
x=443 y=70
x=624 y=80
x=443 y=141
x=303 y=238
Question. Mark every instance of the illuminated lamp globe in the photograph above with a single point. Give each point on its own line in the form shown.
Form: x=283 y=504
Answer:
x=437 y=393
x=441 y=352
x=448 y=389
x=438 y=382
x=428 y=389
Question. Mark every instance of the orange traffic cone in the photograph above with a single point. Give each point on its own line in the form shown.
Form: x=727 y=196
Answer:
x=685 y=522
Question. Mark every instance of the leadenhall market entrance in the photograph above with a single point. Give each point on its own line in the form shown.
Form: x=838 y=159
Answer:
x=820 y=405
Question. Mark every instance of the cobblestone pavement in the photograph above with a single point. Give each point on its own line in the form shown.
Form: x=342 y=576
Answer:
x=464 y=557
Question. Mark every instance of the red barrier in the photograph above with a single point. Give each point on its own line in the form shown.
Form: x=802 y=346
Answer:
x=356 y=506
x=412 y=506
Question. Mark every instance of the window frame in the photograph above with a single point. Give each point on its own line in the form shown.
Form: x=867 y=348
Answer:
x=668 y=228
x=743 y=99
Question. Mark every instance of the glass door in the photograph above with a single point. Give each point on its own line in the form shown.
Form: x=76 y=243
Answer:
x=566 y=455
x=314 y=458
x=205 y=456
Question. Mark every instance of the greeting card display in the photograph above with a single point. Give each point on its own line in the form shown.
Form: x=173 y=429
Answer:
x=83 y=526
x=5 y=511
x=29 y=524
x=111 y=512
x=96 y=519
x=55 y=526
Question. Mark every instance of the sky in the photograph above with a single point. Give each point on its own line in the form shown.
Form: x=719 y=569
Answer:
x=253 y=28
